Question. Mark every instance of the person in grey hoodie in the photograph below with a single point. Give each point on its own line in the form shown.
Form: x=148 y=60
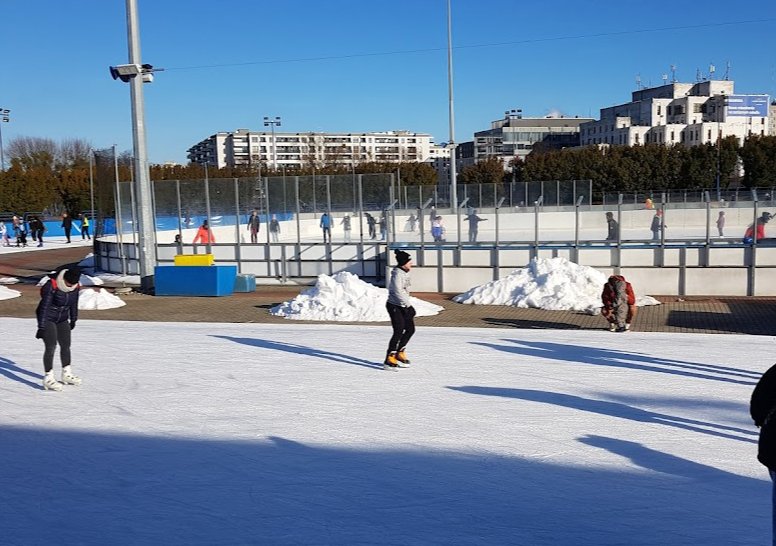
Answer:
x=401 y=311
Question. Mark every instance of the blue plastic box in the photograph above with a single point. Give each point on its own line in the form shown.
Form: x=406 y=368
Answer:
x=195 y=280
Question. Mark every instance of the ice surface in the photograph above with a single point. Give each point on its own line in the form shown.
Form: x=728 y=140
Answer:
x=555 y=284
x=345 y=297
x=293 y=434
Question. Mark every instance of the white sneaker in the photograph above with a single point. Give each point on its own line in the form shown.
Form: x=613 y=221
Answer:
x=68 y=378
x=51 y=384
x=627 y=326
x=612 y=327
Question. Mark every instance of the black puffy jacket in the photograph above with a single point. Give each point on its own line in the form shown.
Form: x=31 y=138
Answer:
x=55 y=305
x=762 y=408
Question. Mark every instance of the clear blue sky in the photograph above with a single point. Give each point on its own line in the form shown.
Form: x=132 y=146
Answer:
x=321 y=66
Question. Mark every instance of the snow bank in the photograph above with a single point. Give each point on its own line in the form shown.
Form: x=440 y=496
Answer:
x=7 y=293
x=97 y=299
x=345 y=297
x=8 y=280
x=555 y=284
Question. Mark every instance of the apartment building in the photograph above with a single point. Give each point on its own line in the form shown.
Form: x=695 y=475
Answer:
x=680 y=113
x=290 y=150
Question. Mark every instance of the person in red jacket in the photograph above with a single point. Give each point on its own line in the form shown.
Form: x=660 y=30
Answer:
x=619 y=303
x=760 y=228
x=204 y=235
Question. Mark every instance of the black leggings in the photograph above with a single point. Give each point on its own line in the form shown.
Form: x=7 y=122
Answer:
x=403 y=322
x=55 y=333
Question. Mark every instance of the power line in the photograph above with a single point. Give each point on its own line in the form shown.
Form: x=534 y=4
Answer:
x=474 y=46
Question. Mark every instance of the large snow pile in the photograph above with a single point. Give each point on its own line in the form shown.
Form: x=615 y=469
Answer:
x=7 y=293
x=345 y=297
x=97 y=299
x=555 y=284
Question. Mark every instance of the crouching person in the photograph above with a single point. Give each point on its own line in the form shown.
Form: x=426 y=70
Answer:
x=619 y=303
x=57 y=314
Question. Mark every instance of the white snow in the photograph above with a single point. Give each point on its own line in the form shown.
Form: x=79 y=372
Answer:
x=555 y=284
x=7 y=293
x=98 y=299
x=345 y=297
x=292 y=434
x=8 y=280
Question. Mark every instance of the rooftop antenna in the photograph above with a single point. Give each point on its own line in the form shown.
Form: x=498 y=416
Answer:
x=712 y=69
x=665 y=79
x=727 y=71
x=698 y=75
x=638 y=81
x=673 y=73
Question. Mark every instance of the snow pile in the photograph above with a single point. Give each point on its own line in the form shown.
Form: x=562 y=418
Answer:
x=91 y=299
x=345 y=297
x=84 y=280
x=555 y=284
x=8 y=280
x=7 y=293
x=116 y=279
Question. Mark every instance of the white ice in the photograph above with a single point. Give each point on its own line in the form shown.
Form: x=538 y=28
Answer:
x=293 y=434
x=547 y=283
x=345 y=297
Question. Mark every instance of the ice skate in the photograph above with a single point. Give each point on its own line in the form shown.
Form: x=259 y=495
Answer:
x=51 y=384
x=68 y=378
x=627 y=326
x=391 y=362
x=402 y=360
x=612 y=327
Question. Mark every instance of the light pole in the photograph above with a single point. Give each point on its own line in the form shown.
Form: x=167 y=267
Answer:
x=451 y=144
x=273 y=123
x=4 y=118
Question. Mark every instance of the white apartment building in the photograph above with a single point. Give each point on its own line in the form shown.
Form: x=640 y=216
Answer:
x=514 y=136
x=680 y=113
x=290 y=150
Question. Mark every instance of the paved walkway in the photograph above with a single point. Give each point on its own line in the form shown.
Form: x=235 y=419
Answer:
x=738 y=315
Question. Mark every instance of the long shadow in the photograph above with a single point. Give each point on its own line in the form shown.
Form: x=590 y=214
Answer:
x=613 y=409
x=620 y=359
x=531 y=324
x=302 y=350
x=141 y=489
x=11 y=370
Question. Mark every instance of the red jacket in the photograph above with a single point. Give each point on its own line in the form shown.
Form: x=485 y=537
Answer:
x=760 y=231
x=608 y=295
x=204 y=235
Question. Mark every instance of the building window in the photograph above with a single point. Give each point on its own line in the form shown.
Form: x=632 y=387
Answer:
x=709 y=136
x=669 y=110
x=659 y=110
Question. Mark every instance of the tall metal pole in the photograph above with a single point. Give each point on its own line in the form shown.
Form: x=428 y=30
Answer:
x=91 y=186
x=4 y=118
x=451 y=144
x=146 y=229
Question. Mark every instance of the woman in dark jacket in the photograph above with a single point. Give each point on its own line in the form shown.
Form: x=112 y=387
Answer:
x=762 y=408
x=57 y=314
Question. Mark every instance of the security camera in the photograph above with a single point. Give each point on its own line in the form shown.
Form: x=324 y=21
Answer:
x=125 y=72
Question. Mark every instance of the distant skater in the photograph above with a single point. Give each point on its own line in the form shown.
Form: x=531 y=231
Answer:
x=254 y=225
x=85 y=227
x=346 y=227
x=204 y=234
x=474 y=222
x=325 y=225
x=57 y=315
x=721 y=223
x=401 y=311
x=613 y=228
x=274 y=228
x=67 y=225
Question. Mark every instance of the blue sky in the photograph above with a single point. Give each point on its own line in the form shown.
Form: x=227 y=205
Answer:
x=321 y=66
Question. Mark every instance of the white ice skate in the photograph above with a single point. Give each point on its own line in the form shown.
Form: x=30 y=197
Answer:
x=51 y=384
x=68 y=378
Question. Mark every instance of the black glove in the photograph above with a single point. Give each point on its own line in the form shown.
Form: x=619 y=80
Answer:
x=39 y=334
x=411 y=311
x=72 y=325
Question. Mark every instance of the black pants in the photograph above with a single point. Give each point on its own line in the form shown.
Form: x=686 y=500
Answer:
x=85 y=232
x=40 y=235
x=67 y=234
x=403 y=322
x=53 y=334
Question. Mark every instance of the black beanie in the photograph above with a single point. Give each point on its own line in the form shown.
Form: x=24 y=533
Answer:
x=72 y=275
x=401 y=257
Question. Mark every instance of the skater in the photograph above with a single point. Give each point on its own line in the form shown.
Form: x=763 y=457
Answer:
x=4 y=234
x=756 y=231
x=474 y=221
x=67 y=225
x=325 y=225
x=274 y=228
x=32 y=227
x=346 y=227
x=438 y=230
x=762 y=408
x=619 y=303
x=412 y=223
x=613 y=231
x=254 y=225
x=401 y=311
x=41 y=229
x=204 y=235
x=84 y=227
x=19 y=232
x=371 y=223
x=657 y=226
x=178 y=243
x=383 y=227
x=721 y=223
x=57 y=314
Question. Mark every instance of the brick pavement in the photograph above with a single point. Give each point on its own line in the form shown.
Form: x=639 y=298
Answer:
x=737 y=315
